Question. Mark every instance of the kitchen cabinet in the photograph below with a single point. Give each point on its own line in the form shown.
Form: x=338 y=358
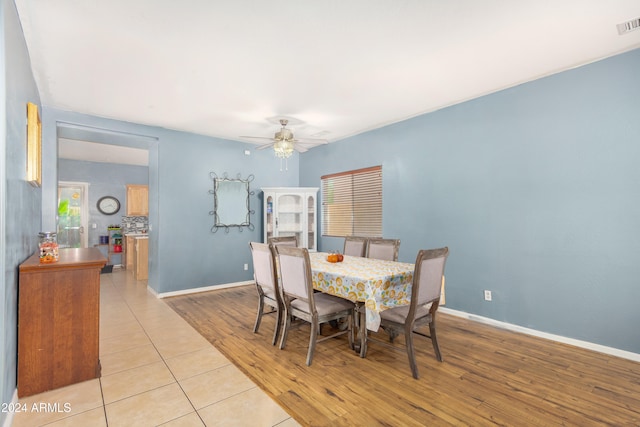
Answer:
x=59 y=320
x=291 y=211
x=137 y=200
x=129 y=251
x=141 y=258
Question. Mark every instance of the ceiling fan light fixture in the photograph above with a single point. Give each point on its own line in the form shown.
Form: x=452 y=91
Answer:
x=283 y=148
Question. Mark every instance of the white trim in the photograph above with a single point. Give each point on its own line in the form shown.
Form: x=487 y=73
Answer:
x=203 y=289
x=9 y=420
x=515 y=328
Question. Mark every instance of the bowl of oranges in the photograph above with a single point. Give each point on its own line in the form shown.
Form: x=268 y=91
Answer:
x=335 y=257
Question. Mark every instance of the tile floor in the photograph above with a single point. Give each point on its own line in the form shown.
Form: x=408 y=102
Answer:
x=156 y=371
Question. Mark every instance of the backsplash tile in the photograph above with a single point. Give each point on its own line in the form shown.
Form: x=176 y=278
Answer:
x=135 y=224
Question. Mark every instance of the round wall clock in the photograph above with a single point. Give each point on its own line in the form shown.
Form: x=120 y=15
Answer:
x=108 y=205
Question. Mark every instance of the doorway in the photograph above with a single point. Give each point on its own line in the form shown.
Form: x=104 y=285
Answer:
x=73 y=214
x=86 y=143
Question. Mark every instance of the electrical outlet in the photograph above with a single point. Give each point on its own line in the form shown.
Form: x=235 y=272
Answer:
x=246 y=267
x=487 y=295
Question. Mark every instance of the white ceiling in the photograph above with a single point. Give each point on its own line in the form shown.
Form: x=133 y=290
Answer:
x=335 y=68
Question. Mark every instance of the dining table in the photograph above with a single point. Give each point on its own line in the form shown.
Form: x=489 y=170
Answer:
x=373 y=285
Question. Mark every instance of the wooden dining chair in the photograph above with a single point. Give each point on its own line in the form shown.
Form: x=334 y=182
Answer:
x=384 y=249
x=283 y=240
x=355 y=246
x=264 y=272
x=301 y=302
x=425 y=299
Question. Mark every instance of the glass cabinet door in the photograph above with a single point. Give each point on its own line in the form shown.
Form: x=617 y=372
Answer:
x=311 y=222
x=270 y=223
x=289 y=217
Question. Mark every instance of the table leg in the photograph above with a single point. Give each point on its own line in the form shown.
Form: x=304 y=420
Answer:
x=362 y=331
x=361 y=325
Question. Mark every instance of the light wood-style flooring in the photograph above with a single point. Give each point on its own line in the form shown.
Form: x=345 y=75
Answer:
x=489 y=376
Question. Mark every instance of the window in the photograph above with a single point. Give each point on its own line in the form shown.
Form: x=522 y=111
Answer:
x=352 y=203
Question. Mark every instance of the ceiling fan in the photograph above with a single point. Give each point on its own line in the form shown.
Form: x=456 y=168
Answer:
x=283 y=142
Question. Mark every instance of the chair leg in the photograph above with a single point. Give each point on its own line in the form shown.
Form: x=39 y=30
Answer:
x=312 y=341
x=278 y=326
x=434 y=339
x=259 y=315
x=350 y=322
x=286 y=323
x=410 y=352
x=392 y=334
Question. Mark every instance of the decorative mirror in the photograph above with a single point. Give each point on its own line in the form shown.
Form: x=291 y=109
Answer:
x=231 y=202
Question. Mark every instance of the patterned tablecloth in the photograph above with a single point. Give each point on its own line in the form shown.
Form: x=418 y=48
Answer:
x=378 y=284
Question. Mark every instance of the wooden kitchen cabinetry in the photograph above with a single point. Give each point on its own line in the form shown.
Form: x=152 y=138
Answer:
x=141 y=258
x=59 y=320
x=137 y=256
x=129 y=252
x=137 y=200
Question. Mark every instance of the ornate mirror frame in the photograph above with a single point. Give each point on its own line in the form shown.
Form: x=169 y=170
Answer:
x=231 y=202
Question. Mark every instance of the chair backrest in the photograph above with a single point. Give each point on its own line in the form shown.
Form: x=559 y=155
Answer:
x=294 y=269
x=284 y=240
x=427 y=277
x=385 y=249
x=264 y=270
x=355 y=246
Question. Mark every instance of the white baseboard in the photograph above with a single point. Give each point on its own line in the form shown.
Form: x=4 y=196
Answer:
x=511 y=327
x=9 y=420
x=203 y=289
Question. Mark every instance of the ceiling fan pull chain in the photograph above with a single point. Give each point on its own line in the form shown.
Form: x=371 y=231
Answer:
x=286 y=164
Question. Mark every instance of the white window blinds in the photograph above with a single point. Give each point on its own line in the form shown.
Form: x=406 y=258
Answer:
x=352 y=203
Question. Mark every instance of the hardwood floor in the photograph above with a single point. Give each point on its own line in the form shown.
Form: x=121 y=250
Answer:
x=488 y=376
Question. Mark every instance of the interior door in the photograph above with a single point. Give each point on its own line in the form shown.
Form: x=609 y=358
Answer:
x=73 y=214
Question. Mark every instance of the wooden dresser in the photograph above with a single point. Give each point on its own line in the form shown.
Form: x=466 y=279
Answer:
x=59 y=320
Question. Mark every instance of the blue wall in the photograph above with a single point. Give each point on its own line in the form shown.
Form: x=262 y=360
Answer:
x=19 y=202
x=105 y=179
x=534 y=190
x=190 y=254
x=183 y=253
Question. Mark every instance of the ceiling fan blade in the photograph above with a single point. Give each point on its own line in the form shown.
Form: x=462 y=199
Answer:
x=262 y=138
x=309 y=144
x=316 y=141
x=262 y=147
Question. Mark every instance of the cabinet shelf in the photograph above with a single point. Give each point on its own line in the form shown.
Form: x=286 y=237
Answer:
x=115 y=239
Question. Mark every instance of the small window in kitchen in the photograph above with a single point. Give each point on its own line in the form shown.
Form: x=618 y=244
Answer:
x=352 y=203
